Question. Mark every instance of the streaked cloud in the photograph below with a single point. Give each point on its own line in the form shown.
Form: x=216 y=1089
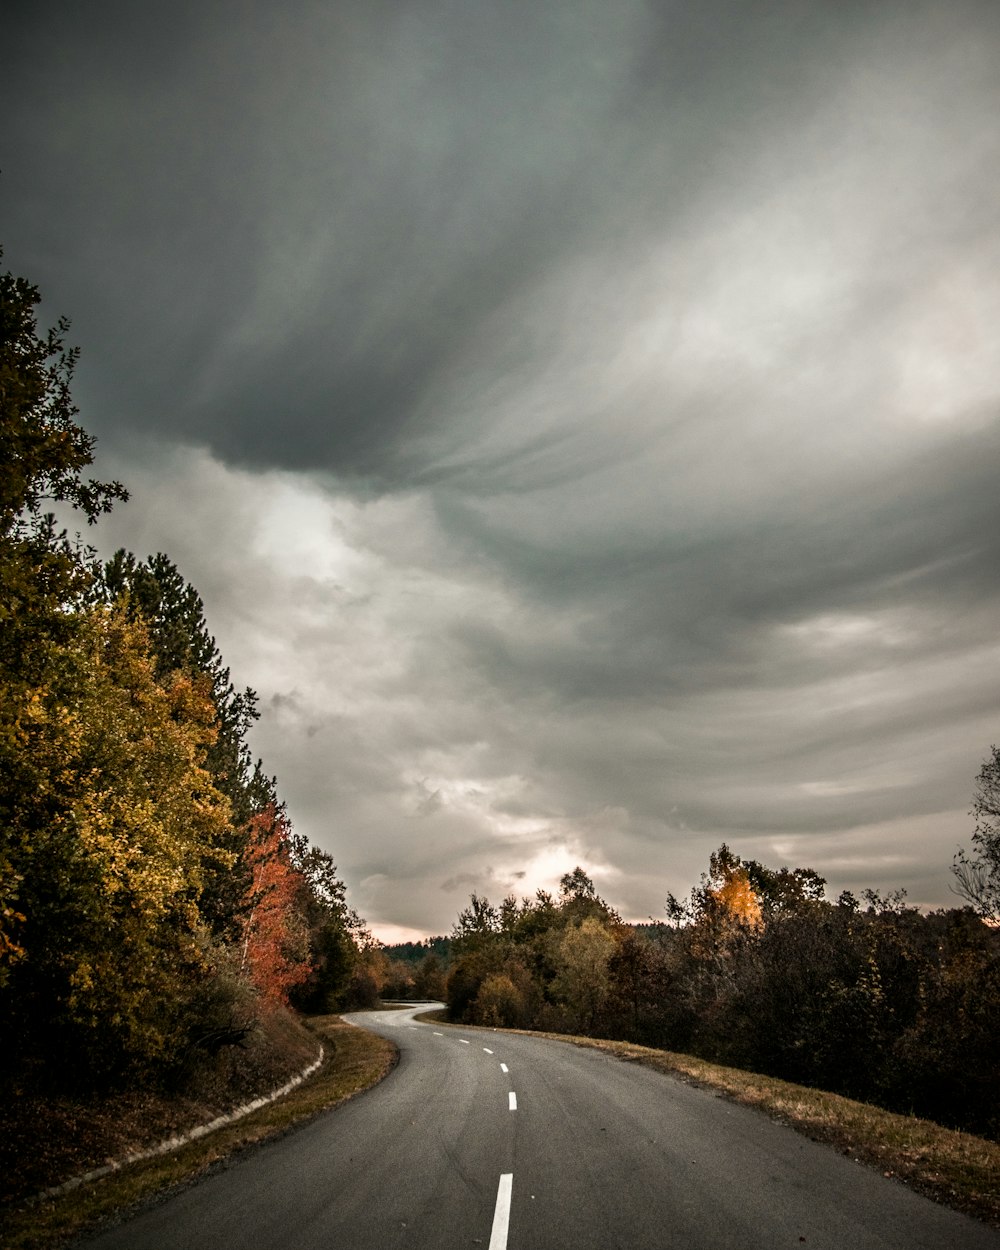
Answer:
x=581 y=421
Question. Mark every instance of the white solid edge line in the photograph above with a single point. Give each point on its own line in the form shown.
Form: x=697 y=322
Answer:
x=512 y=1098
x=501 y=1216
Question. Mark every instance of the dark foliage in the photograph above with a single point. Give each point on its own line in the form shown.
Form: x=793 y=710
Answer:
x=758 y=970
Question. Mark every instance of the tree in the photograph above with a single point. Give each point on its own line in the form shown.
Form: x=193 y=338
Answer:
x=576 y=885
x=43 y=452
x=978 y=875
x=579 y=900
x=337 y=935
x=42 y=449
x=948 y=1057
x=109 y=833
x=638 y=982
x=782 y=889
x=725 y=907
x=430 y=980
x=500 y=1003
x=477 y=925
x=155 y=592
x=276 y=955
x=581 y=980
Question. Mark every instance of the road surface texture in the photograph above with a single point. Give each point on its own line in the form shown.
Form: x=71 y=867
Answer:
x=489 y=1139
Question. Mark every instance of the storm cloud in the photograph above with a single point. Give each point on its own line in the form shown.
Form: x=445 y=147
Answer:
x=582 y=421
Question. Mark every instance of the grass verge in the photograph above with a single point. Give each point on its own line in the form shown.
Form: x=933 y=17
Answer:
x=956 y=1169
x=355 y=1061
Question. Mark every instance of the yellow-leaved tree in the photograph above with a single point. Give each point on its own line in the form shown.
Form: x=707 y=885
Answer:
x=110 y=854
x=581 y=981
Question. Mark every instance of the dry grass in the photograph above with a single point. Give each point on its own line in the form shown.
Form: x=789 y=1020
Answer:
x=957 y=1169
x=355 y=1061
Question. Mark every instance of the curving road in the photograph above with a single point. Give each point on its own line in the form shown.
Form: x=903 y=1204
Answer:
x=517 y=1143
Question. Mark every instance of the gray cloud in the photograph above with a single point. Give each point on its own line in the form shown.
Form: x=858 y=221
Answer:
x=581 y=421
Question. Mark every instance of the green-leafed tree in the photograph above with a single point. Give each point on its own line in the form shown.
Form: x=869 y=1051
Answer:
x=155 y=592
x=43 y=450
x=43 y=574
x=582 y=981
x=430 y=980
x=783 y=889
x=336 y=934
x=477 y=926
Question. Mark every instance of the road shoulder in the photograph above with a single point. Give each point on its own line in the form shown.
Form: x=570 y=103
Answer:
x=355 y=1060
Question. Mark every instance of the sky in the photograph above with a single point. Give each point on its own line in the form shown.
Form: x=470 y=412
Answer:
x=581 y=420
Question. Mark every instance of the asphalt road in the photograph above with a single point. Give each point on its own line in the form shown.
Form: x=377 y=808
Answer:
x=517 y=1143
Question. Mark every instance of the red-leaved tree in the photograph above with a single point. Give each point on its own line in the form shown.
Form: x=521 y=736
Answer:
x=276 y=954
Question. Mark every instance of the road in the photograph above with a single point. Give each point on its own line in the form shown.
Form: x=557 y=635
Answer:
x=506 y=1142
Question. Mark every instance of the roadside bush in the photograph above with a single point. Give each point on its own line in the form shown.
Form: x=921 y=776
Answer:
x=500 y=1003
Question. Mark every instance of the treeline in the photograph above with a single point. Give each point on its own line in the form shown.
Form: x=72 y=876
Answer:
x=416 y=970
x=411 y=953
x=154 y=898
x=758 y=970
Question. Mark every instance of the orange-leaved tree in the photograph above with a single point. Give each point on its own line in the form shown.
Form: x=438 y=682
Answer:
x=276 y=955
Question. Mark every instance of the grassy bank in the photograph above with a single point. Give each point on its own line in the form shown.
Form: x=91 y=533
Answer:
x=355 y=1060
x=956 y=1169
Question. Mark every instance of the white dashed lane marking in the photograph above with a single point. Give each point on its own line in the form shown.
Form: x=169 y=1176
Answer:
x=501 y=1216
x=513 y=1100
